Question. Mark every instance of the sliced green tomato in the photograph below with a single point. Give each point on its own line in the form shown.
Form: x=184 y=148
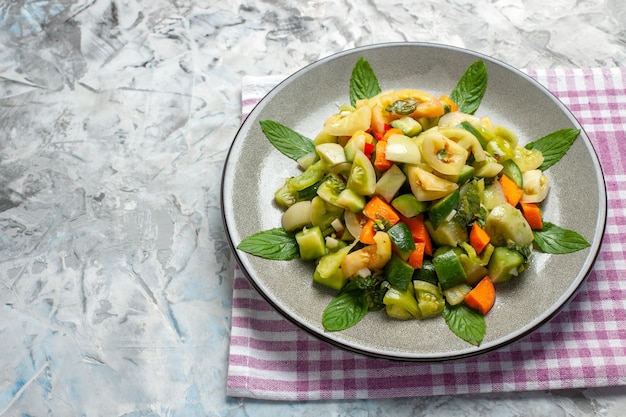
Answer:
x=507 y=226
x=456 y=295
x=466 y=140
x=351 y=201
x=473 y=271
x=427 y=186
x=401 y=304
x=323 y=213
x=442 y=154
x=429 y=297
x=443 y=208
x=449 y=233
x=297 y=216
x=328 y=270
x=402 y=240
x=311 y=243
x=504 y=264
x=362 y=179
x=390 y=183
x=527 y=159
x=492 y=196
x=360 y=119
x=324 y=137
x=449 y=269
x=402 y=149
x=408 y=205
x=310 y=176
x=330 y=189
x=356 y=143
x=331 y=154
x=488 y=168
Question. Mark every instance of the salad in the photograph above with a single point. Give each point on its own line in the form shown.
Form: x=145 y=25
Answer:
x=410 y=203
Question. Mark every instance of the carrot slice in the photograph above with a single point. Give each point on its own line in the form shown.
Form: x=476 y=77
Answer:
x=532 y=214
x=511 y=191
x=379 y=209
x=482 y=297
x=381 y=162
x=367 y=232
x=418 y=230
x=478 y=238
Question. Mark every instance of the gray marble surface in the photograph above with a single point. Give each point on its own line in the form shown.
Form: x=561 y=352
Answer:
x=115 y=120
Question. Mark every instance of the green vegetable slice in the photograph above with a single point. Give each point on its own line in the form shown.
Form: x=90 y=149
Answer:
x=556 y=240
x=554 y=146
x=466 y=323
x=471 y=88
x=363 y=82
x=289 y=142
x=275 y=244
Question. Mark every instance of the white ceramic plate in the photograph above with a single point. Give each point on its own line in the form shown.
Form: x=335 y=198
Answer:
x=255 y=169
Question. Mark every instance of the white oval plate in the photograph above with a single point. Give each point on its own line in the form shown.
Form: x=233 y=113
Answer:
x=254 y=169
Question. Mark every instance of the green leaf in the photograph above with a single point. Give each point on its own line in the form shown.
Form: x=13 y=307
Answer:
x=556 y=240
x=289 y=142
x=363 y=82
x=466 y=323
x=554 y=145
x=275 y=244
x=345 y=310
x=471 y=88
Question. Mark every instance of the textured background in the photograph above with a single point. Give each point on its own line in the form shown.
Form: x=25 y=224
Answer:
x=115 y=118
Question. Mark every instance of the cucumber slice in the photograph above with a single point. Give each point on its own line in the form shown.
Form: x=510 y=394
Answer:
x=504 y=264
x=398 y=272
x=408 y=125
x=408 y=205
x=449 y=269
x=441 y=209
x=426 y=273
x=402 y=240
x=513 y=171
x=390 y=183
x=311 y=243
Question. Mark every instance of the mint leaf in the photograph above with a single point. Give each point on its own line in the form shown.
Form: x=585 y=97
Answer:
x=363 y=82
x=275 y=244
x=556 y=240
x=287 y=141
x=554 y=145
x=345 y=310
x=466 y=323
x=471 y=88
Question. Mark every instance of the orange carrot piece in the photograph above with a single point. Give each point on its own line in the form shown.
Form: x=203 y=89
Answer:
x=381 y=162
x=368 y=232
x=482 y=297
x=416 y=258
x=418 y=230
x=511 y=191
x=478 y=238
x=447 y=101
x=392 y=131
x=379 y=209
x=532 y=214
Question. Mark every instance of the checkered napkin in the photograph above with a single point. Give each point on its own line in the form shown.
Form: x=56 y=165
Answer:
x=583 y=346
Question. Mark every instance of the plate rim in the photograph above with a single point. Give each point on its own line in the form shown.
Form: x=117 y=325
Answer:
x=471 y=351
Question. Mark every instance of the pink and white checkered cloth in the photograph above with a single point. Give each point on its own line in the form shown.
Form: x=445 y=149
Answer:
x=583 y=346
